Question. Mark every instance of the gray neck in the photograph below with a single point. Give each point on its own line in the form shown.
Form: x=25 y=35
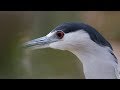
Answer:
x=97 y=64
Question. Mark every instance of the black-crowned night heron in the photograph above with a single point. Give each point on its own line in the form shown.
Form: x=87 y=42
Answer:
x=93 y=50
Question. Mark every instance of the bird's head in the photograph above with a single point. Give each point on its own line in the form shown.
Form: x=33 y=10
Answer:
x=69 y=36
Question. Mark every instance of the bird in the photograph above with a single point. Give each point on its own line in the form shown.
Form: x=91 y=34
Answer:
x=86 y=43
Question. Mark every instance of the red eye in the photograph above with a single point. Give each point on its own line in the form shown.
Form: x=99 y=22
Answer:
x=60 y=34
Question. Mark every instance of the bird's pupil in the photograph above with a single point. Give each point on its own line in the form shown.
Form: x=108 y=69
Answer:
x=60 y=34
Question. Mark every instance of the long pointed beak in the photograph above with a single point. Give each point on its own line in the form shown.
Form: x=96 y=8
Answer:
x=42 y=42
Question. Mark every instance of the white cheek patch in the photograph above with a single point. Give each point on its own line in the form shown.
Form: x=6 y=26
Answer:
x=71 y=40
x=77 y=37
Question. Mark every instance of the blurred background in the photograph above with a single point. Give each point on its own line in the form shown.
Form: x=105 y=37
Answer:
x=17 y=27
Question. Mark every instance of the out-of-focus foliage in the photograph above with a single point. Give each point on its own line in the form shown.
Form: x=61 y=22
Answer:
x=17 y=27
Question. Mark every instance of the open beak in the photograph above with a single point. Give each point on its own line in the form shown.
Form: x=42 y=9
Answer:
x=42 y=42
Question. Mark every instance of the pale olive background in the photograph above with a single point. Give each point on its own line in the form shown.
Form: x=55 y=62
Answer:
x=16 y=27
